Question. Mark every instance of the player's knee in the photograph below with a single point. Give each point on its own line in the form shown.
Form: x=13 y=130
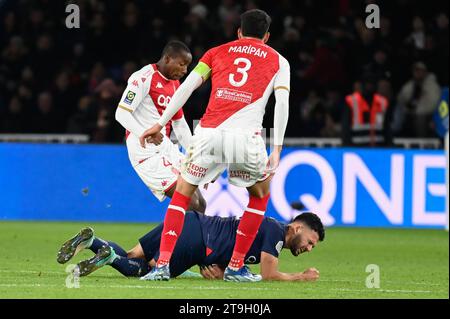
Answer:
x=198 y=203
x=260 y=193
x=260 y=189
x=136 y=252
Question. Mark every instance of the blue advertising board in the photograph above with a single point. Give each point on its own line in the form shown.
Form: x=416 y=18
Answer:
x=344 y=186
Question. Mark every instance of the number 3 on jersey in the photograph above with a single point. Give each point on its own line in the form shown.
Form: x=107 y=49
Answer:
x=243 y=71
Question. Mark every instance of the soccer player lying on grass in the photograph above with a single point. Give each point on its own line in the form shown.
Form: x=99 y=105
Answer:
x=206 y=241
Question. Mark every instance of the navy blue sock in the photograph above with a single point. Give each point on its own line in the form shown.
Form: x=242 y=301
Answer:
x=98 y=243
x=133 y=267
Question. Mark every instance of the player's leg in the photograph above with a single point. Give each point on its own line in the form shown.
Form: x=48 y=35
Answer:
x=98 y=243
x=173 y=226
x=131 y=264
x=198 y=202
x=136 y=252
x=198 y=167
x=129 y=267
x=246 y=233
x=249 y=173
x=83 y=239
x=250 y=221
x=110 y=253
x=190 y=249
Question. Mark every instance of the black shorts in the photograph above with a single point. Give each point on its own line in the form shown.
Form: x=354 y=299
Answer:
x=190 y=249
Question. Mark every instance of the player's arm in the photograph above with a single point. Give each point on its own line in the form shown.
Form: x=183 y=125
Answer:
x=212 y=272
x=130 y=100
x=281 y=113
x=200 y=74
x=182 y=94
x=182 y=131
x=269 y=271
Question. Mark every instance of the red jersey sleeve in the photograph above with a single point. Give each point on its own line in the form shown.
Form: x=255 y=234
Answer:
x=207 y=57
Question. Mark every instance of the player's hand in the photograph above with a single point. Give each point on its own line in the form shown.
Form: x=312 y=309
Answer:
x=212 y=272
x=155 y=140
x=310 y=274
x=274 y=160
x=151 y=132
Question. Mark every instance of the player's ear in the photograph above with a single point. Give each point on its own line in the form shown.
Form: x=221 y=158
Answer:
x=166 y=59
x=266 y=37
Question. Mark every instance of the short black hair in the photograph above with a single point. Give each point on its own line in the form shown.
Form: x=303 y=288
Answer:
x=174 y=48
x=255 y=23
x=312 y=221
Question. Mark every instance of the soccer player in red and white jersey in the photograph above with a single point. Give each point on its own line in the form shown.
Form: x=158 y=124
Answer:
x=244 y=74
x=142 y=104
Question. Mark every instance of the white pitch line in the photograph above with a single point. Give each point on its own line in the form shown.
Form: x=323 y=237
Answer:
x=48 y=272
x=140 y=287
x=382 y=290
x=184 y=288
x=26 y=285
x=208 y=288
x=30 y=271
x=320 y=280
x=385 y=281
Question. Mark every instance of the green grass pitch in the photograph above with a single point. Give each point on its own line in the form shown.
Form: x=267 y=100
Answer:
x=412 y=263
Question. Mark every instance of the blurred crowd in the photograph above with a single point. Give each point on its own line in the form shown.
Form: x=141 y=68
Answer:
x=59 y=80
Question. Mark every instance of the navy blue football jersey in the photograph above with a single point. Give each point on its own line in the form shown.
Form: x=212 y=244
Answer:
x=219 y=236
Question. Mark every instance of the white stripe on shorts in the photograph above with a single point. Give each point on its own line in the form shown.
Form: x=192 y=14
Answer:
x=178 y=208
x=255 y=211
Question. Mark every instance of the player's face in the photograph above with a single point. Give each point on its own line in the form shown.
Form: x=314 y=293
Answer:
x=177 y=66
x=303 y=240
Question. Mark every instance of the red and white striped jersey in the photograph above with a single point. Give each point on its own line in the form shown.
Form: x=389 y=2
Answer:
x=147 y=95
x=244 y=74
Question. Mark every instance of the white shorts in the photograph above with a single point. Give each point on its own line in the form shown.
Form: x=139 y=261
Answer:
x=242 y=153
x=160 y=170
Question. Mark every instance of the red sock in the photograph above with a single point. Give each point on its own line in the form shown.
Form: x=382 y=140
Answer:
x=173 y=225
x=247 y=230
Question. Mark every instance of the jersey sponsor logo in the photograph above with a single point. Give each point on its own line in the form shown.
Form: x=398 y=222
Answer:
x=171 y=233
x=248 y=49
x=163 y=100
x=240 y=233
x=234 y=95
x=135 y=83
x=250 y=260
x=129 y=97
x=159 y=85
x=196 y=171
x=279 y=246
x=240 y=174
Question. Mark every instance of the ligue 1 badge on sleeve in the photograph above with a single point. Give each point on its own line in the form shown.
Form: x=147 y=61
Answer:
x=130 y=97
x=441 y=115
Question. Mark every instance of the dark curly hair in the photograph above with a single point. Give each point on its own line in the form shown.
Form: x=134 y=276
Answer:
x=174 y=48
x=255 y=23
x=312 y=221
